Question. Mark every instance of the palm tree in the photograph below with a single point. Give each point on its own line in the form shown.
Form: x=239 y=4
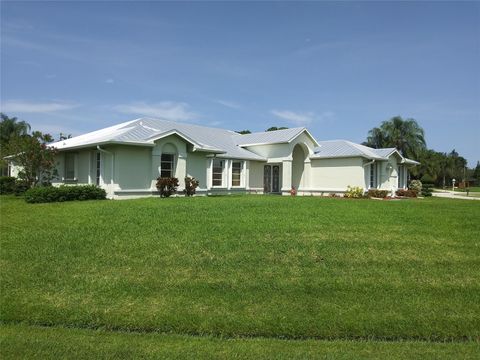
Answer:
x=376 y=138
x=405 y=135
x=11 y=127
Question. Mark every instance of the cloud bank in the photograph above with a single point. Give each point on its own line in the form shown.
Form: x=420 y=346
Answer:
x=168 y=110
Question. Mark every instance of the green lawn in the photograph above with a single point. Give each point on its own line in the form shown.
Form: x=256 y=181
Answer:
x=309 y=276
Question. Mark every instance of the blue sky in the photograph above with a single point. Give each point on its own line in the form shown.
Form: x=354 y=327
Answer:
x=338 y=68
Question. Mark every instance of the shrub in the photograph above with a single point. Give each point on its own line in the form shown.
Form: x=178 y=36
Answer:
x=191 y=185
x=7 y=185
x=427 y=179
x=377 y=193
x=427 y=190
x=46 y=194
x=415 y=185
x=354 y=192
x=406 y=193
x=20 y=187
x=167 y=186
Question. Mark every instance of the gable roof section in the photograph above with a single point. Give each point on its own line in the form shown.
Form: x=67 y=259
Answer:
x=145 y=131
x=271 y=137
x=344 y=148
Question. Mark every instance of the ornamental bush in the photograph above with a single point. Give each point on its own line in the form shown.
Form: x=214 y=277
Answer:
x=406 y=193
x=377 y=193
x=354 y=192
x=191 y=185
x=427 y=190
x=415 y=185
x=7 y=185
x=46 y=194
x=167 y=186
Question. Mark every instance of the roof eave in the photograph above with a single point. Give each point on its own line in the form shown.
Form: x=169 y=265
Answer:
x=264 y=143
x=410 y=162
x=313 y=157
x=251 y=158
x=109 y=142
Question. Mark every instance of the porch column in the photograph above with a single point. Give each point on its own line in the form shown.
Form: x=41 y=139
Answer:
x=246 y=172
x=228 y=169
x=306 y=175
x=209 y=173
x=155 y=169
x=181 y=170
x=286 y=175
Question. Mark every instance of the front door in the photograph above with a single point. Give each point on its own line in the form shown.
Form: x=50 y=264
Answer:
x=271 y=178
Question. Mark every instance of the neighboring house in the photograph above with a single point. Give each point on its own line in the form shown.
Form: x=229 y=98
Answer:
x=126 y=160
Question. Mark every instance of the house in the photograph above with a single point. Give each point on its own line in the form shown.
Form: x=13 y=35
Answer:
x=126 y=159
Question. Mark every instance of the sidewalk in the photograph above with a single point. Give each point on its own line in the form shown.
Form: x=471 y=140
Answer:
x=453 y=195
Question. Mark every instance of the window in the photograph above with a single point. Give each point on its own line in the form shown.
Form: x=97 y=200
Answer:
x=69 y=166
x=97 y=168
x=236 y=173
x=217 y=172
x=401 y=173
x=166 y=165
x=373 y=176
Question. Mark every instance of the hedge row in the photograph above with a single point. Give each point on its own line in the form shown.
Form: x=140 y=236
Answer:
x=7 y=185
x=406 y=193
x=378 y=193
x=11 y=185
x=64 y=193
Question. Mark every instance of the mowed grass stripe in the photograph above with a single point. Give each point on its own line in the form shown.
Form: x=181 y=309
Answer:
x=20 y=341
x=246 y=266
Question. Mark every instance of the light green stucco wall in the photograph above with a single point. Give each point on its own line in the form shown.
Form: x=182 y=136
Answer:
x=133 y=167
x=255 y=172
x=389 y=174
x=336 y=174
x=197 y=167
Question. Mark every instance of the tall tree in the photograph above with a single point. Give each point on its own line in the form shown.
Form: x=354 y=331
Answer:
x=405 y=135
x=35 y=158
x=476 y=173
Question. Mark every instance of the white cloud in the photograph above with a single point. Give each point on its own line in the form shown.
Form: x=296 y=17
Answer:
x=230 y=104
x=297 y=118
x=168 y=110
x=302 y=118
x=20 y=106
x=109 y=81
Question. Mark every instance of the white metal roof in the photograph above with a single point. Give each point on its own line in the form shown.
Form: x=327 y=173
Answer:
x=270 y=137
x=345 y=148
x=145 y=131
x=221 y=142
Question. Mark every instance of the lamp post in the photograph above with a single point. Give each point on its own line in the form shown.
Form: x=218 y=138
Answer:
x=453 y=184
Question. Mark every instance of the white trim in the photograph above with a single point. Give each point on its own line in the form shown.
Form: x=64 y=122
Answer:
x=242 y=174
x=224 y=165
